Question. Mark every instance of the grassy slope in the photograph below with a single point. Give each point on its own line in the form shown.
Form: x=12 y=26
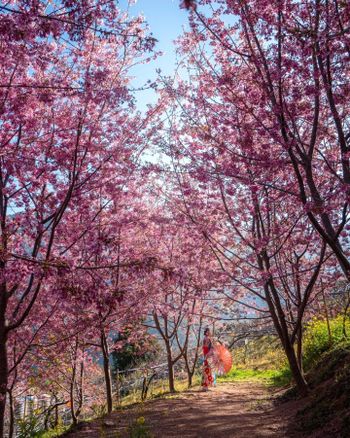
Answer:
x=271 y=377
x=328 y=406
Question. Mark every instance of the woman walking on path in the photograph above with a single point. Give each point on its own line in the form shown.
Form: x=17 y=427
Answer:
x=208 y=351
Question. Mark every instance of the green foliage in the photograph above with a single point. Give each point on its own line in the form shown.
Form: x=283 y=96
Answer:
x=99 y=410
x=30 y=426
x=263 y=353
x=318 y=338
x=53 y=433
x=131 y=354
x=139 y=429
x=263 y=359
x=271 y=377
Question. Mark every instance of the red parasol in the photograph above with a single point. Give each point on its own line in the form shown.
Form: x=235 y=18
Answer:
x=223 y=358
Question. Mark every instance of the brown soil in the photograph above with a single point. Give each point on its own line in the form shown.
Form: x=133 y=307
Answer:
x=237 y=410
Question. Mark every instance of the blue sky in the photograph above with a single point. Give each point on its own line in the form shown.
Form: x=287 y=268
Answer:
x=166 y=21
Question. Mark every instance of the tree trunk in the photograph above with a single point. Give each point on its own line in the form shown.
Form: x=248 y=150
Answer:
x=345 y=318
x=146 y=384
x=188 y=370
x=71 y=394
x=282 y=331
x=300 y=349
x=293 y=362
x=56 y=415
x=189 y=379
x=117 y=381
x=81 y=389
x=3 y=359
x=107 y=372
x=170 y=368
x=12 y=415
x=296 y=371
x=327 y=318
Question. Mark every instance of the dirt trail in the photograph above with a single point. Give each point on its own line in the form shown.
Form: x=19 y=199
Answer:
x=237 y=410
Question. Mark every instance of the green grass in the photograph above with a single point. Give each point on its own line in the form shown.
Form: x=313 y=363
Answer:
x=53 y=433
x=271 y=377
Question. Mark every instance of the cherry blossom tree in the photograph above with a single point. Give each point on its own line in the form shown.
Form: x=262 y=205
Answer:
x=271 y=256
x=68 y=141
x=265 y=120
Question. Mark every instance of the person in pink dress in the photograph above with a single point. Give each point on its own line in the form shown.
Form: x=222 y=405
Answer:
x=208 y=350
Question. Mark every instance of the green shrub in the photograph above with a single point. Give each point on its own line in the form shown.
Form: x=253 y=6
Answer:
x=139 y=429
x=55 y=432
x=317 y=338
x=30 y=426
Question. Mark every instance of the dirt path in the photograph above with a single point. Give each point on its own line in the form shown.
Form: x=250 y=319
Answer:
x=237 y=410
